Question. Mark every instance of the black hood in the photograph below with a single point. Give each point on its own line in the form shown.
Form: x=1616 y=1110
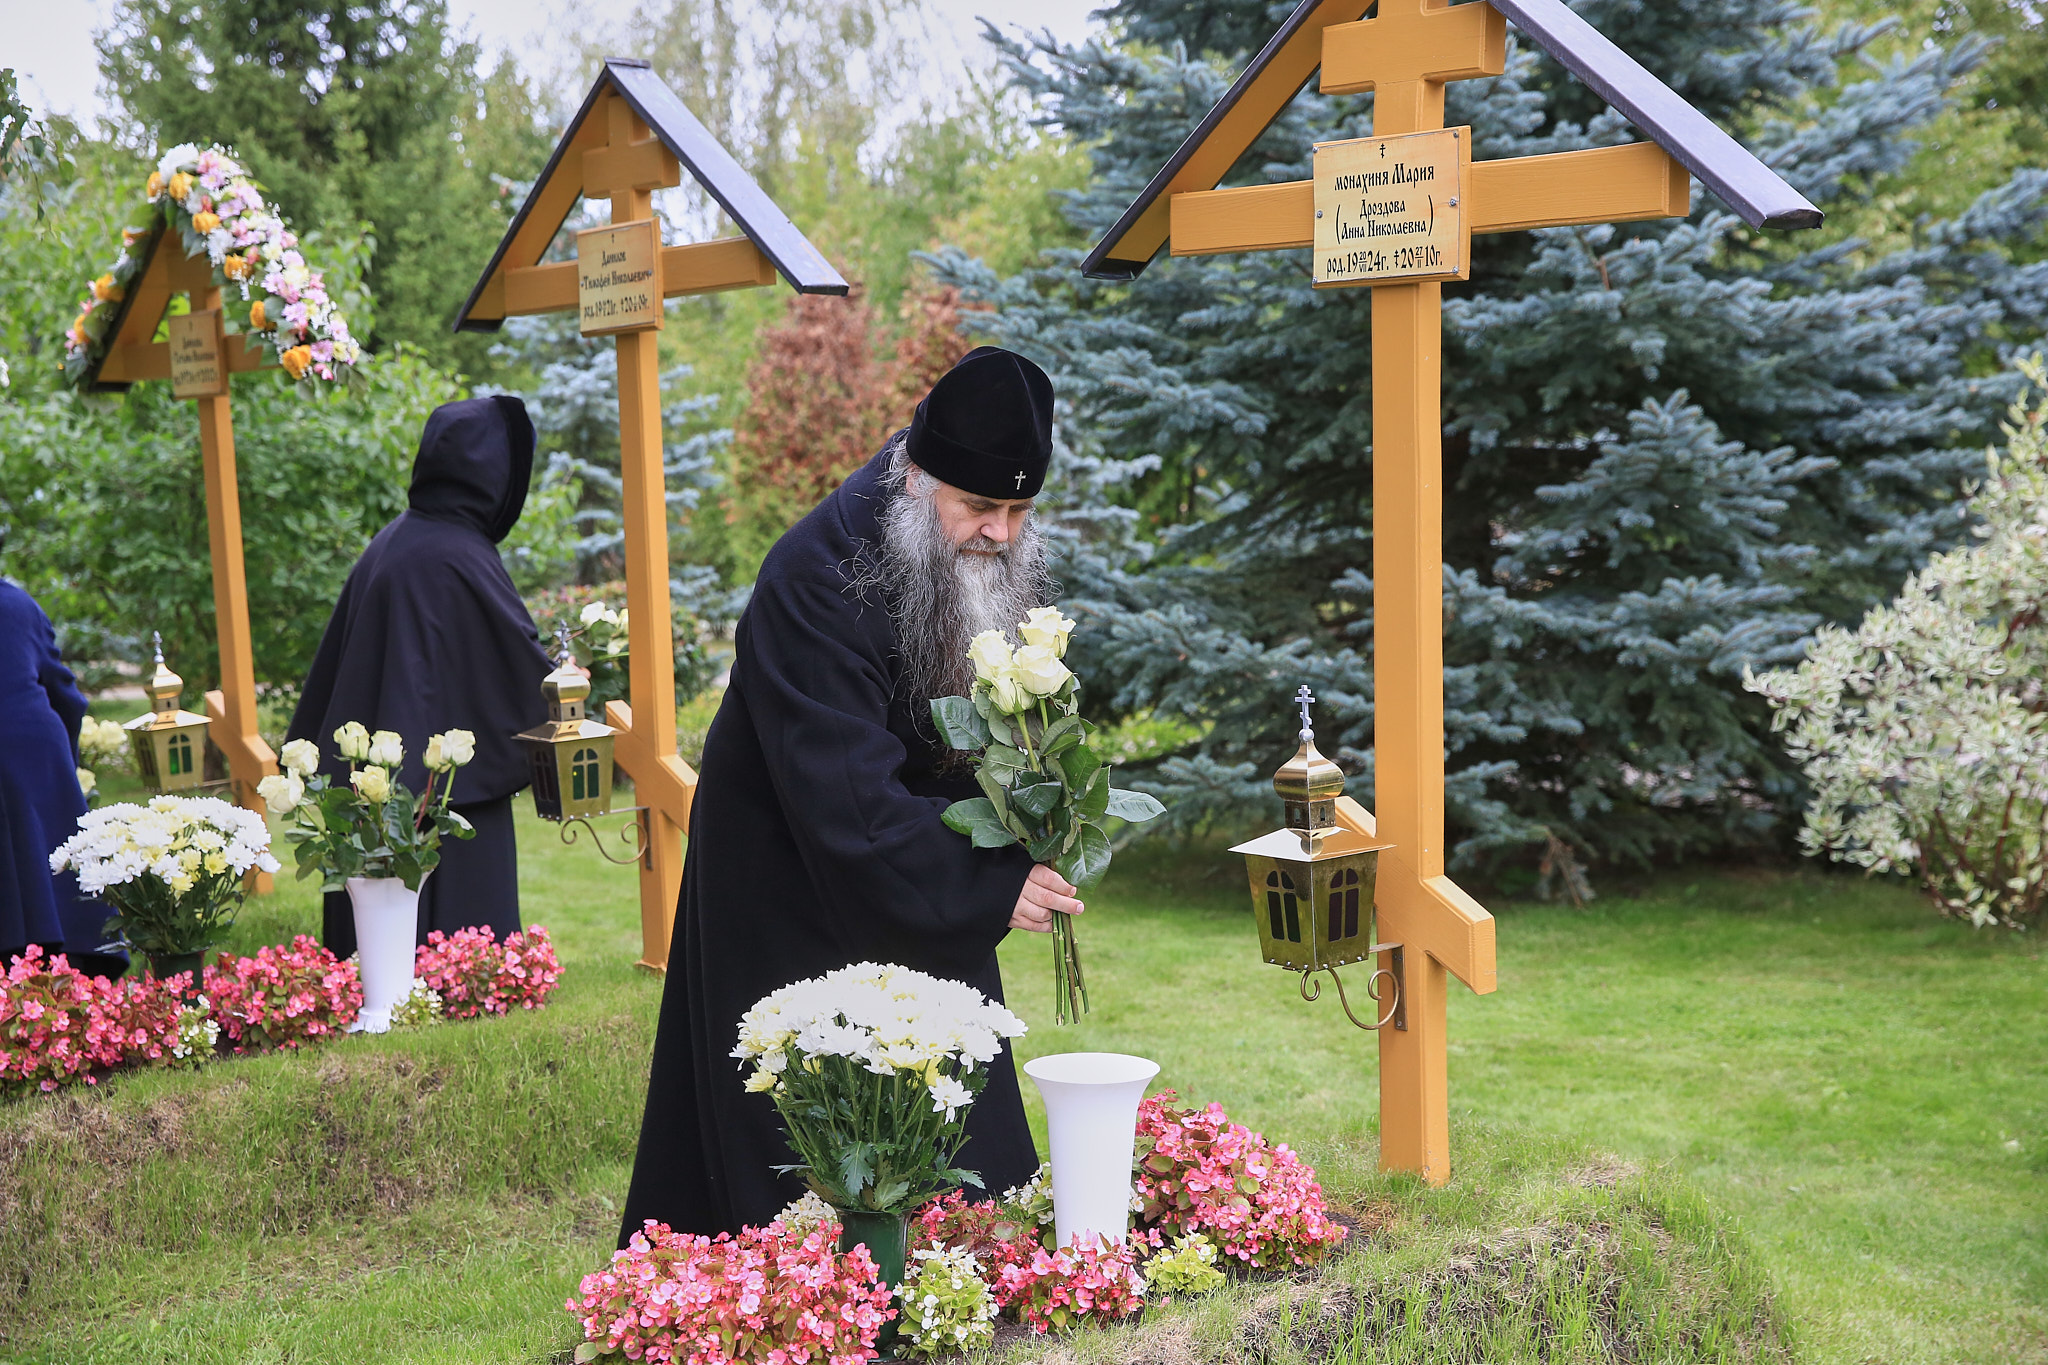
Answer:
x=475 y=461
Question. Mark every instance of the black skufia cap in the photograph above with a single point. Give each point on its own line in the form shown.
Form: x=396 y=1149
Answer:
x=986 y=426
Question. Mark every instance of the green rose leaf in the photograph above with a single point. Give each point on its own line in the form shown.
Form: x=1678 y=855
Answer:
x=959 y=724
x=1135 y=807
x=1078 y=767
x=1061 y=735
x=1038 y=799
x=1095 y=801
x=978 y=820
x=1088 y=859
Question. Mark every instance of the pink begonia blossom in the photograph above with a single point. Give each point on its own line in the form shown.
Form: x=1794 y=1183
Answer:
x=767 y=1295
x=475 y=974
x=1057 y=1289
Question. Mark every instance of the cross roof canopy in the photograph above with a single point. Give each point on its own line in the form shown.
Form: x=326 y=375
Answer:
x=131 y=351
x=1405 y=54
x=591 y=160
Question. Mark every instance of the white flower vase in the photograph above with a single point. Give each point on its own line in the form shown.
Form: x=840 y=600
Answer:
x=1091 y=1112
x=387 y=929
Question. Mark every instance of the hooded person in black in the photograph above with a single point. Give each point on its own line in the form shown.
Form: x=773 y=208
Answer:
x=429 y=636
x=815 y=839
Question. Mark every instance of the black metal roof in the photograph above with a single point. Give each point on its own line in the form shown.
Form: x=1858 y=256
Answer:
x=1756 y=192
x=679 y=130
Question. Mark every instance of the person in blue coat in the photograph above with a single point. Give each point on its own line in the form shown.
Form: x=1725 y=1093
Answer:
x=40 y=801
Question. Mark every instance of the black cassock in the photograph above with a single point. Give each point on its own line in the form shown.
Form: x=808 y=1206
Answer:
x=429 y=636
x=815 y=842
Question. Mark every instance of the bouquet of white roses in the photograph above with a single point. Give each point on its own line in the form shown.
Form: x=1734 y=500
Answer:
x=373 y=826
x=172 y=869
x=1043 y=784
x=873 y=1069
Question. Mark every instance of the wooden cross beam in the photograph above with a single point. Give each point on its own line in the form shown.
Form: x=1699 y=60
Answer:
x=133 y=354
x=630 y=138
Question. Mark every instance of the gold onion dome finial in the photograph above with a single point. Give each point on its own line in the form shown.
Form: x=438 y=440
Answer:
x=165 y=687
x=567 y=684
x=1307 y=779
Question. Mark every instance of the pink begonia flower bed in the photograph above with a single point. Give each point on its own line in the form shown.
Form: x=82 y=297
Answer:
x=59 y=1026
x=765 y=1295
x=677 y=1298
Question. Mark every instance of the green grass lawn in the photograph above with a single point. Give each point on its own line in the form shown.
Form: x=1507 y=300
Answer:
x=1838 y=1107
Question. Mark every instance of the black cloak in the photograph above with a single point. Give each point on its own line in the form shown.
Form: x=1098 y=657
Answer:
x=40 y=801
x=815 y=842
x=430 y=635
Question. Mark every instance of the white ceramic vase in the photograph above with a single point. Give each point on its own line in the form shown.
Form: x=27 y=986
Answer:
x=1091 y=1112
x=387 y=928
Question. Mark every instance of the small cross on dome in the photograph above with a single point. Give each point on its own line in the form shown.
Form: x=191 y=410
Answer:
x=1303 y=698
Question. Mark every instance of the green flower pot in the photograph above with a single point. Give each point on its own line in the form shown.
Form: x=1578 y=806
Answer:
x=885 y=1235
x=164 y=966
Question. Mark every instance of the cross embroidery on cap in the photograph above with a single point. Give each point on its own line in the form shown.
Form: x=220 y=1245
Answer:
x=1020 y=481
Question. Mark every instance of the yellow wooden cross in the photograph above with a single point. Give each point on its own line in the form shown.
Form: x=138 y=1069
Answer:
x=1404 y=54
x=132 y=354
x=611 y=151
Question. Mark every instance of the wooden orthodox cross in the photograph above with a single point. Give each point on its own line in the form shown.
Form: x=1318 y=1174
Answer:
x=631 y=137
x=206 y=357
x=1395 y=212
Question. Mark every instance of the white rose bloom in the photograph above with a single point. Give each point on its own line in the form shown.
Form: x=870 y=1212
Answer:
x=281 y=792
x=1045 y=626
x=352 y=741
x=990 y=653
x=86 y=781
x=387 y=750
x=300 y=756
x=176 y=159
x=458 y=747
x=1039 y=670
x=372 y=784
x=593 y=612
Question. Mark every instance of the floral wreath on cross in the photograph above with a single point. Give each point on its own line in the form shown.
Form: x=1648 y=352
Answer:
x=210 y=202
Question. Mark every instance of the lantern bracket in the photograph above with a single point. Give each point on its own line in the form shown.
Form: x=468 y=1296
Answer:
x=1396 y=1008
x=632 y=834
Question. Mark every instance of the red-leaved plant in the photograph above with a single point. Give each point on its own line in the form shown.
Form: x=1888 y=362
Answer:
x=765 y=1295
x=283 y=997
x=475 y=974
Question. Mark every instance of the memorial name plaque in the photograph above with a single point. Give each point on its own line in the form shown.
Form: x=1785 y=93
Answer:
x=1389 y=210
x=618 y=278
x=198 y=355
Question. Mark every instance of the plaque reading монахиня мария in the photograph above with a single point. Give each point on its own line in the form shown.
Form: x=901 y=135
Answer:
x=1389 y=210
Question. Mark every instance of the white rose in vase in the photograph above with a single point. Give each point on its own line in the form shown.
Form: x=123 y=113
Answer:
x=372 y=784
x=301 y=757
x=282 y=792
x=352 y=742
x=387 y=750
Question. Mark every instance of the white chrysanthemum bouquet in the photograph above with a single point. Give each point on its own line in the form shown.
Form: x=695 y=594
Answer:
x=1043 y=785
x=873 y=1069
x=172 y=870
x=370 y=826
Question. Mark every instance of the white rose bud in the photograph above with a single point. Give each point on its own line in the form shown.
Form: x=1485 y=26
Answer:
x=352 y=741
x=1007 y=694
x=435 y=762
x=86 y=781
x=990 y=653
x=1039 y=670
x=281 y=792
x=300 y=756
x=1045 y=626
x=372 y=784
x=387 y=749
x=593 y=612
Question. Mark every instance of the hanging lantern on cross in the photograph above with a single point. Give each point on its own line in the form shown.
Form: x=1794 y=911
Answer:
x=1312 y=881
x=570 y=755
x=169 y=744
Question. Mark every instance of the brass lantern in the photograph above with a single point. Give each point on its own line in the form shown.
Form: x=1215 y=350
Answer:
x=570 y=755
x=169 y=743
x=1312 y=882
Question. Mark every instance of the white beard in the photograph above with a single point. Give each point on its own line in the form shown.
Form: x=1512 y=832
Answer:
x=941 y=595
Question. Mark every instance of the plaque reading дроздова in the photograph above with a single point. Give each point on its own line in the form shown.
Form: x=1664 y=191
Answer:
x=1391 y=209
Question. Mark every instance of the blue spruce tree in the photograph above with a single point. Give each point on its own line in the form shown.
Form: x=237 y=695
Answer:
x=1670 y=448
